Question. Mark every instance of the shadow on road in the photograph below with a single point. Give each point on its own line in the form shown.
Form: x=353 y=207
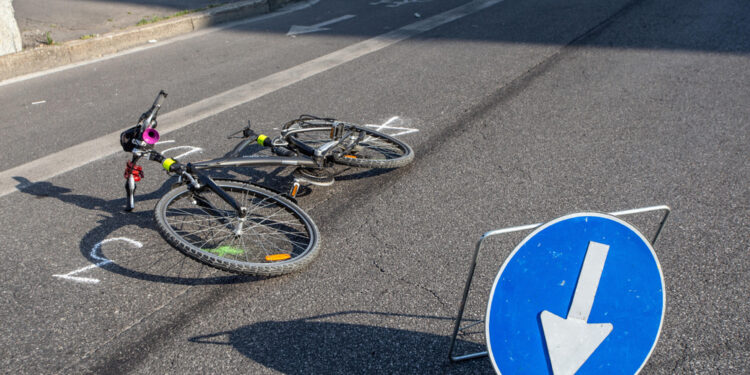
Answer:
x=315 y=345
x=711 y=26
x=163 y=265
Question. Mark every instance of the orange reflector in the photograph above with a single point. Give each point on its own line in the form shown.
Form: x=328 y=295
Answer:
x=350 y=156
x=277 y=257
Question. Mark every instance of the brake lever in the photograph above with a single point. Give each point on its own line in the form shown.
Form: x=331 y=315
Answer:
x=246 y=132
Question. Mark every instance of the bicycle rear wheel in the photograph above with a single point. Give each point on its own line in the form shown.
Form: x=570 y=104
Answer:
x=275 y=237
x=372 y=149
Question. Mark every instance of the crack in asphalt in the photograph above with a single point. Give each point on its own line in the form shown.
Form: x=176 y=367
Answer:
x=403 y=279
x=131 y=354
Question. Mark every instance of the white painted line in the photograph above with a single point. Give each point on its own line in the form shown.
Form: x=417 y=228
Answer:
x=286 y=10
x=95 y=149
x=297 y=29
x=102 y=261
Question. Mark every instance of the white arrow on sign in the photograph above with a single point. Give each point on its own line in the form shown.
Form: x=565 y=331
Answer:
x=296 y=29
x=571 y=341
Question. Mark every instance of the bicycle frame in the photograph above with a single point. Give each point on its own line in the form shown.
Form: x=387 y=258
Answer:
x=239 y=225
x=136 y=141
x=193 y=169
x=255 y=161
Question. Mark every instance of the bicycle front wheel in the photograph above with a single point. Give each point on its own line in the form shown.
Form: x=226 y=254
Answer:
x=274 y=238
x=371 y=149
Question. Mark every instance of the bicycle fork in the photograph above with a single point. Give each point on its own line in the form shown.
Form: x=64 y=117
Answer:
x=203 y=202
x=133 y=174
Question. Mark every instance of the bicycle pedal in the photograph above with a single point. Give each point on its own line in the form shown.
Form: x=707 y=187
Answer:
x=295 y=189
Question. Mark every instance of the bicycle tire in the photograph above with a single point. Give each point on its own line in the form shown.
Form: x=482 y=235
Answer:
x=376 y=150
x=277 y=237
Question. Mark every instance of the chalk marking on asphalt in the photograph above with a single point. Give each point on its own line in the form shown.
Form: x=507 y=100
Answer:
x=76 y=156
x=191 y=148
x=387 y=125
x=102 y=261
x=402 y=130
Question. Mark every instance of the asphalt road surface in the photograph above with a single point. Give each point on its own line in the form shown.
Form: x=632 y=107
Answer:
x=524 y=111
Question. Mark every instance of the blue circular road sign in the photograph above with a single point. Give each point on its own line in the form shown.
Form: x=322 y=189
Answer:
x=582 y=294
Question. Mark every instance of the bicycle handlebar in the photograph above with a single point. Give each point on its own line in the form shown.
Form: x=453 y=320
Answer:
x=150 y=115
x=141 y=136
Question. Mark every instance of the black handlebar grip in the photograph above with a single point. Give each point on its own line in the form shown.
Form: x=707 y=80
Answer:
x=159 y=98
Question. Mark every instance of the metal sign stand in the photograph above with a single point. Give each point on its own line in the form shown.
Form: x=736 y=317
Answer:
x=457 y=327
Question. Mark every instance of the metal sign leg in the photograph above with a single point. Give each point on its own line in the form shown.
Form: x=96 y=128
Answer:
x=457 y=327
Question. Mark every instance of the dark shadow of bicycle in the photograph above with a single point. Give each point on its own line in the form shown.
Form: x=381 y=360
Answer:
x=164 y=265
x=316 y=345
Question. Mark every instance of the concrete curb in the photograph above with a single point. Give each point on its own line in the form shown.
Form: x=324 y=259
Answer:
x=48 y=57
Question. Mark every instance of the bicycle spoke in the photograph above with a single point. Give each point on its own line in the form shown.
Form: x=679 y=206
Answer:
x=271 y=227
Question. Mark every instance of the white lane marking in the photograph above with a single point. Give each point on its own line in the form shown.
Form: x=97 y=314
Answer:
x=73 y=157
x=297 y=29
x=286 y=10
x=102 y=261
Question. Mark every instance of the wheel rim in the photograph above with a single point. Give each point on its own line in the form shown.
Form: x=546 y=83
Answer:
x=272 y=232
x=376 y=148
x=372 y=147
